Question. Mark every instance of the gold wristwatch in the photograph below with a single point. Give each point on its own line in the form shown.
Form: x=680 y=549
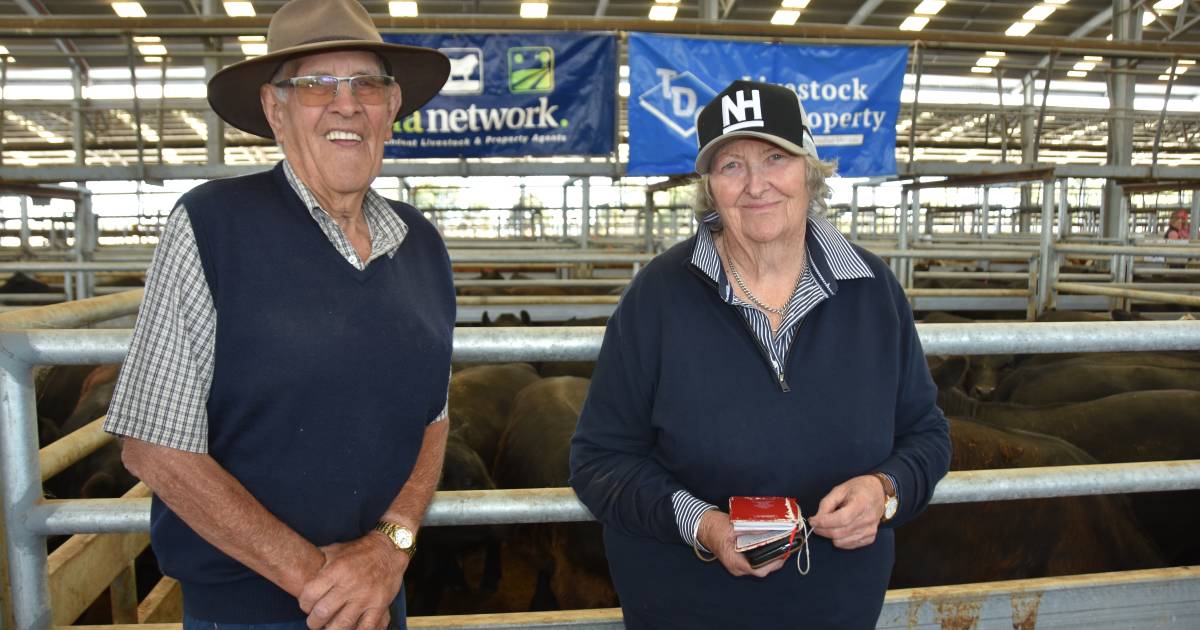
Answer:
x=890 y=502
x=401 y=537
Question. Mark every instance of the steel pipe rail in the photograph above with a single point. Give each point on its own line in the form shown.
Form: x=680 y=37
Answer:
x=566 y=257
x=1127 y=250
x=74 y=314
x=1137 y=294
x=582 y=343
x=511 y=300
x=598 y=283
x=67 y=265
x=1162 y=598
x=920 y=292
x=559 y=505
x=957 y=254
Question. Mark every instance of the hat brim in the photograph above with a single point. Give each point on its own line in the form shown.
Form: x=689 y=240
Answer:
x=233 y=93
x=706 y=154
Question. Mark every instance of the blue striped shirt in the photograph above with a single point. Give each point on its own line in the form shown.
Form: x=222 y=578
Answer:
x=823 y=243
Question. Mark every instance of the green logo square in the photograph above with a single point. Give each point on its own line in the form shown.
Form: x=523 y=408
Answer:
x=530 y=69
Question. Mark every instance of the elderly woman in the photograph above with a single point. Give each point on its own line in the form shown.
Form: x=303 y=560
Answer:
x=765 y=356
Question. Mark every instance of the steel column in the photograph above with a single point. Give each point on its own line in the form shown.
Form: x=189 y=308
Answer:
x=27 y=570
x=1046 y=251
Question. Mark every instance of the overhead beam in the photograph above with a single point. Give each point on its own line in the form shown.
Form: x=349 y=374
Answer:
x=580 y=169
x=208 y=26
x=37 y=9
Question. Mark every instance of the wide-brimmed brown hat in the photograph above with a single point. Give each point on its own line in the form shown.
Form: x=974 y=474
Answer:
x=307 y=27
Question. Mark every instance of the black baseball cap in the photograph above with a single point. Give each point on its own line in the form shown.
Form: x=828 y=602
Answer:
x=750 y=109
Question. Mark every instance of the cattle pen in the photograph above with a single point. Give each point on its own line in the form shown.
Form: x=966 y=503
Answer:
x=1162 y=598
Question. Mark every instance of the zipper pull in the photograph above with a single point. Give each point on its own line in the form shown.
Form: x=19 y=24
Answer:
x=779 y=375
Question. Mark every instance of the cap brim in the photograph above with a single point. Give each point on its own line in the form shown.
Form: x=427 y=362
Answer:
x=706 y=154
x=233 y=93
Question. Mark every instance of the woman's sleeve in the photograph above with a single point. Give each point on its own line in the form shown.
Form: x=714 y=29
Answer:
x=613 y=469
x=921 y=452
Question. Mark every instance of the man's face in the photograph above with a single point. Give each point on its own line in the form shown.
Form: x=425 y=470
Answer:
x=335 y=148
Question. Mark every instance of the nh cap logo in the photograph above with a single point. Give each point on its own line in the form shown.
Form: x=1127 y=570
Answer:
x=747 y=110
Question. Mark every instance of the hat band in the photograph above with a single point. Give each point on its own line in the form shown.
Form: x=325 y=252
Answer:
x=332 y=38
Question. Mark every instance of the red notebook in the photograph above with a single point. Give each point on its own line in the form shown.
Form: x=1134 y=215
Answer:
x=762 y=520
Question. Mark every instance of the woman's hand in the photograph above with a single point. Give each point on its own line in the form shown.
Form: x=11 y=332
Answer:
x=716 y=534
x=849 y=515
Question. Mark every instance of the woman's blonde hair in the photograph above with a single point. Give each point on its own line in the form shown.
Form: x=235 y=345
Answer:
x=816 y=173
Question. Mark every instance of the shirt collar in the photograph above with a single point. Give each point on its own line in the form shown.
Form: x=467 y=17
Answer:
x=387 y=228
x=826 y=247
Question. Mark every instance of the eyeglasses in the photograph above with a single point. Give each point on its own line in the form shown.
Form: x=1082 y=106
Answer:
x=320 y=90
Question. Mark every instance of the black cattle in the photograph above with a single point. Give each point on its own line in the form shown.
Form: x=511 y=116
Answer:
x=445 y=550
x=1001 y=540
x=1084 y=379
x=1131 y=427
x=534 y=453
x=481 y=399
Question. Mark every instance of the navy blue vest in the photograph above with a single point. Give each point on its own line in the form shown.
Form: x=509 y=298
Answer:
x=324 y=379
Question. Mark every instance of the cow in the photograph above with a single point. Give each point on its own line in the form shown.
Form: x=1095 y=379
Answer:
x=439 y=567
x=481 y=398
x=983 y=372
x=1000 y=540
x=534 y=453
x=1129 y=427
x=1083 y=379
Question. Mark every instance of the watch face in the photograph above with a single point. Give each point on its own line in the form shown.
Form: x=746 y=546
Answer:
x=889 y=507
x=404 y=538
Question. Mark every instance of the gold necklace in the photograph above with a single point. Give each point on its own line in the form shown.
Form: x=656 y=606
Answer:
x=753 y=298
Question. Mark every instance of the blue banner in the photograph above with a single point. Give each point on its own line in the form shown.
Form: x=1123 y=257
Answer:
x=515 y=95
x=851 y=96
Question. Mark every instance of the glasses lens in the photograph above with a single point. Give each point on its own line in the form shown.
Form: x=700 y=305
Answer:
x=370 y=89
x=315 y=91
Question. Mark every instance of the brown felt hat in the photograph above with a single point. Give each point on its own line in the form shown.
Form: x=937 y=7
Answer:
x=309 y=27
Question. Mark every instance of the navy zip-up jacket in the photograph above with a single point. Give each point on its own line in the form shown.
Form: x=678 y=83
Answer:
x=683 y=399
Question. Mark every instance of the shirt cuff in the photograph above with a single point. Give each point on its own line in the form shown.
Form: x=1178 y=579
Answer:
x=688 y=512
x=895 y=486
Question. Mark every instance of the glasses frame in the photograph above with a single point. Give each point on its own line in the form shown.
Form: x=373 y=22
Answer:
x=292 y=83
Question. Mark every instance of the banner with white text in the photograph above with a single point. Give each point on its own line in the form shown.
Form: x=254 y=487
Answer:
x=851 y=96
x=515 y=95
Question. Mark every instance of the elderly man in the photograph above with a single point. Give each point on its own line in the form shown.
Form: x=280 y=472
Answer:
x=285 y=392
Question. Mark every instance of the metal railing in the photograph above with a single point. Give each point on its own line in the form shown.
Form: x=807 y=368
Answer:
x=29 y=518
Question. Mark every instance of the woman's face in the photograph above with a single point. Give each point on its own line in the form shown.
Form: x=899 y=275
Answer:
x=760 y=190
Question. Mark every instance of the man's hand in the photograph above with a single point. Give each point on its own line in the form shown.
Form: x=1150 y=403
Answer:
x=356 y=586
x=717 y=535
x=849 y=515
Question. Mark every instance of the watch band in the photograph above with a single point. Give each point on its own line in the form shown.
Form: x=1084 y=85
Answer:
x=401 y=537
x=891 y=502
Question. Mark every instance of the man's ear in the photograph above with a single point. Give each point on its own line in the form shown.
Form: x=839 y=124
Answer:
x=272 y=107
x=396 y=100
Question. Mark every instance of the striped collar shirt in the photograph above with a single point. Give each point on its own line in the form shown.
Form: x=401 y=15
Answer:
x=830 y=258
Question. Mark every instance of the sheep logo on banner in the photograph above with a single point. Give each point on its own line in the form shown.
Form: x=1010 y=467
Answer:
x=677 y=100
x=466 y=71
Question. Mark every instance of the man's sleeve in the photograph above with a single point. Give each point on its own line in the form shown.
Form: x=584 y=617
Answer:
x=162 y=391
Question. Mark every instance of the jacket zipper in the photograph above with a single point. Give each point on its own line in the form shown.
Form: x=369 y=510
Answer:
x=772 y=364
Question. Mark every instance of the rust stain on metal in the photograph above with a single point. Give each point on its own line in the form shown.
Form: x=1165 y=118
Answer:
x=1025 y=610
x=962 y=615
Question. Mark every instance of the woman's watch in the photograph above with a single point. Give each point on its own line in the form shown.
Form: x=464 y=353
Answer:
x=890 y=502
x=401 y=537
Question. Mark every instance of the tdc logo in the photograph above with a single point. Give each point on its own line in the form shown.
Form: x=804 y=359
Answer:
x=676 y=100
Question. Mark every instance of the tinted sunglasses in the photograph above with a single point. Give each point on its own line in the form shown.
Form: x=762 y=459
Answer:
x=320 y=90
